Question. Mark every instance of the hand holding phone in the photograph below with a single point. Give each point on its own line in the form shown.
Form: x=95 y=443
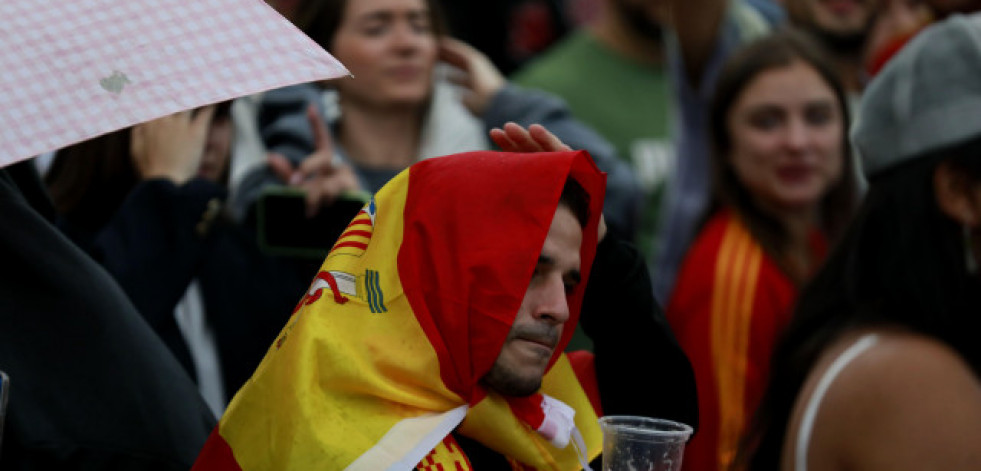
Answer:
x=320 y=176
x=286 y=229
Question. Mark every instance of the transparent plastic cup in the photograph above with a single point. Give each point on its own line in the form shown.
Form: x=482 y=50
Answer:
x=633 y=443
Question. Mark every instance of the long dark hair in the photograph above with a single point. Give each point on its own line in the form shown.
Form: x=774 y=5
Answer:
x=88 y=181
x=901 y=264
x=320 y=19
x=778 y=50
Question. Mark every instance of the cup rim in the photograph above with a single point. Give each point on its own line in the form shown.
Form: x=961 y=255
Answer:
x=636 y=423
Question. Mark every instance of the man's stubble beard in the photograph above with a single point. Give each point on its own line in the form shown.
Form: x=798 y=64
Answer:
x=508 y=383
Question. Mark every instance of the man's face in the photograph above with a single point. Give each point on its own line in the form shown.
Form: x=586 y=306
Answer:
x=544 y=310
x=842 y=23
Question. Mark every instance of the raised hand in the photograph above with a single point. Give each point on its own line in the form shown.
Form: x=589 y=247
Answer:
x=171 y=147
x=475 y=73
x=318 y=175
x=514 y=138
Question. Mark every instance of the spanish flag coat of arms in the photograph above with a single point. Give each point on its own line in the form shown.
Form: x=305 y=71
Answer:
x=382 y=358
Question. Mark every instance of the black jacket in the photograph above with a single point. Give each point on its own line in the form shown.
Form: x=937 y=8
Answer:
x=162 y=237
x=92 y=387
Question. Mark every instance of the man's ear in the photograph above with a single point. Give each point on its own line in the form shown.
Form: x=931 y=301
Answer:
x=954 y=192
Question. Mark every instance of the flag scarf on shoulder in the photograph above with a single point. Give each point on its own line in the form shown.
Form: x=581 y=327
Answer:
x=382 y=357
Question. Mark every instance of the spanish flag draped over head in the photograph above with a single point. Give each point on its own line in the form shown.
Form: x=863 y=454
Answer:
x=382 y=357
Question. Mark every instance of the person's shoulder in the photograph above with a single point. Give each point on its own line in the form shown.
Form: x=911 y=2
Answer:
x=722 y=235
x=723 y=256
x=898 y=403
x=748 y=19
x=899 y=362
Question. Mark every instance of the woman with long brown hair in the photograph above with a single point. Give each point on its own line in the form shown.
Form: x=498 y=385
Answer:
x=880 y=367
x=782 y=192
x=414 y=94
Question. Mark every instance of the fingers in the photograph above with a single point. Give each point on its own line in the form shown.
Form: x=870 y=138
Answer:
x=317 y=163
x=314 y=195
x=478 y=75
x=323 y=190
x=280 y=166
x=500 y=138
x=321 y=135
x=546 y=139
x=522 y=138
x=202 y=120
x=454 y=52
x=459 y=78
x=514 y=138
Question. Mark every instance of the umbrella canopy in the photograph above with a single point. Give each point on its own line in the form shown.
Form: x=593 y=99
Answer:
x=71 y=70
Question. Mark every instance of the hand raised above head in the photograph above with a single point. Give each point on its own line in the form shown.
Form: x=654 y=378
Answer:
x=476 y=73
x=171 y=147
x=514 y=138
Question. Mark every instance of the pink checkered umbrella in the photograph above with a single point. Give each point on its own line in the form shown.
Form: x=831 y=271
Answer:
x=71 y=70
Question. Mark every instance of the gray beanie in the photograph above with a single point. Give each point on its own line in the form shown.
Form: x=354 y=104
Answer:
x=927 y=97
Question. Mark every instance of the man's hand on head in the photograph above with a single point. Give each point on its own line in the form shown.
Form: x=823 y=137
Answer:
x=515 y=138
x=536 y=138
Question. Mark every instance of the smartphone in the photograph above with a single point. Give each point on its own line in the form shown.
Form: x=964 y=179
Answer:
x=284 y=228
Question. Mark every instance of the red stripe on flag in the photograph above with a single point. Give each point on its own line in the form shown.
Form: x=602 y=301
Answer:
x=355 y=233
x=357 y=245
x=361 y=218
x=216 y=455
x=365 y=221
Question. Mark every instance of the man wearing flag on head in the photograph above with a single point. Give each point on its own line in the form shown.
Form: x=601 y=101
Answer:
x=437 y=345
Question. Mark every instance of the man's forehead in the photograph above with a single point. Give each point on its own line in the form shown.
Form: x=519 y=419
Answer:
x=562 y=244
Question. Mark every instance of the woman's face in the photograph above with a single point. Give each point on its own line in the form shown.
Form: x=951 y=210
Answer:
x=786 y=131
x=217 y=150
x=390 y=48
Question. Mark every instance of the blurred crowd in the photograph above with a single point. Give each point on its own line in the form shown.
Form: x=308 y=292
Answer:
x=801 y=180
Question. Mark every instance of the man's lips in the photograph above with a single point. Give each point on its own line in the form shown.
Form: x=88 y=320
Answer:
x=547 y=343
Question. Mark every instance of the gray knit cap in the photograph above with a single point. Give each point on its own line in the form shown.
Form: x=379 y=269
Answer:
x=927 y=97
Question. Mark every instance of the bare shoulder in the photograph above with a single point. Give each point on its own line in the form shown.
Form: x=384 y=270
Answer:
x=907 y=401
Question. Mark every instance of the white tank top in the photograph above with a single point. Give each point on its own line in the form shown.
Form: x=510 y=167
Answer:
x=810 y=412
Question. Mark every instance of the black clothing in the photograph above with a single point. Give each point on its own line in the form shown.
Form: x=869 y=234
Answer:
x=164 y=236
x=92 y=387
x=640 y=368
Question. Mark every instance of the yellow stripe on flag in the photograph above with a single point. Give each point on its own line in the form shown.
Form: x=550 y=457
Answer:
x=736 y=274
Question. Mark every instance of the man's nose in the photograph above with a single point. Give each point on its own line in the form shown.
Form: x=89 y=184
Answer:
x=553 y=306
